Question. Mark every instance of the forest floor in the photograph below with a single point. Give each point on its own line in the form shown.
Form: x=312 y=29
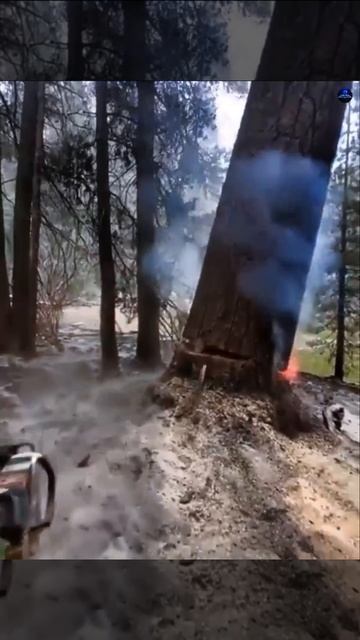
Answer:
x=285 y=600
x=214 y=481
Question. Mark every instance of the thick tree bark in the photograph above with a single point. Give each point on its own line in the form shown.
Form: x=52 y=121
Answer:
x=297 y=117
x=148 y=342
x=36 y=217
x=109 y=350
x=5 y=307
x=135 y=61
x=22 y=217
x=340 y=316
x=312 y=41
x=75 y=67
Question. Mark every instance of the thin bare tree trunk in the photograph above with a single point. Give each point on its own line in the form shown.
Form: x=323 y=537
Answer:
x=148 y=340
x=135 y=60
x=5 y=307
x=109 y=350
x=36 y=216
x=340 y=316
x=75 y=68
x=22 y=217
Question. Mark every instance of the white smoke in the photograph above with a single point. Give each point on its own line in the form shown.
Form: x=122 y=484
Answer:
x=325 y=260
x=186 y=273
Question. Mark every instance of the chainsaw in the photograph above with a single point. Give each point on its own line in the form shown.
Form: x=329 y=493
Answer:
x=27 y=498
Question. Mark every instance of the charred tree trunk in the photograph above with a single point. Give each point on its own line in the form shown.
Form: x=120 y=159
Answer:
x=5 y=307
x=109 y=350
x=135 y=61
x=312 y=41
x=75 y=68
x=340 y=316
x=224 y=324
x=36 y=217
x=299 y=117
x=148 y=342
x=22 y=217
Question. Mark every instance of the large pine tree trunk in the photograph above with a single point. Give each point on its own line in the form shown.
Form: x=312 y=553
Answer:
x=148 y=342
x=135 y=60
x=107 y=272
x=75 y=65
x=314 y=40
x=22 y=217
x=36 y=217
x=340 y=316
x=227 y=329
x=5 y=308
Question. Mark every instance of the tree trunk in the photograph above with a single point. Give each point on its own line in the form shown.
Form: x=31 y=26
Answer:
x=312 y=41
x=109 y=350
x=148 y=342
x=226 y=325
x=75 y=69
x=5 y=307
x=36 y=216
x=22 y=217
x=340 y=316
x=135 y=60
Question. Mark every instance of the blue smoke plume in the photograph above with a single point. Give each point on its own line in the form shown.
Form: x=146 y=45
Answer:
x=282 y=196
x=287 y=193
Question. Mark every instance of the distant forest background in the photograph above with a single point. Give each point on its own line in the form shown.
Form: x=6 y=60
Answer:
x=110 y=186
x=190 y=171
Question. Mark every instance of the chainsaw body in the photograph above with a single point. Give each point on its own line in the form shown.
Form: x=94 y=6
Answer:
x=27 y=495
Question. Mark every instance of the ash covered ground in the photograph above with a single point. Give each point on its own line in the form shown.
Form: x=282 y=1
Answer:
x=185 y=481
x=284 y=600
x=137 y=480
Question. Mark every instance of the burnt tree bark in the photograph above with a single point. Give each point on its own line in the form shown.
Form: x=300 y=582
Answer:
x=340 y=315
x=22 y=217
x=148 y=341
x=75 y=65
x=224 y=326
x=135 y=62
x=36 y=217
x=312 y=41
x=5 y=307
x=109 y=350
x=301 y=117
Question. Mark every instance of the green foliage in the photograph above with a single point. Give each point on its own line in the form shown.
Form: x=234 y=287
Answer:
x=320 y=364
x=325 y=322
x=184 y=38
x=3 y=549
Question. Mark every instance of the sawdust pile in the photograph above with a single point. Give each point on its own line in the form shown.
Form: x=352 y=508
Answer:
x=273 y=496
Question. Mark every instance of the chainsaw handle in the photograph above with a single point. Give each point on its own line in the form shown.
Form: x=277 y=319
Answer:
x=38 y=460
x=50 y=506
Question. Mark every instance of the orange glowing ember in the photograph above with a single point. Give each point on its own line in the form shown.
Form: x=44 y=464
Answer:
x=292 y=371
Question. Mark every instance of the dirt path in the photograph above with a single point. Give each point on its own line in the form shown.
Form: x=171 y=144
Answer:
x=162 y=484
